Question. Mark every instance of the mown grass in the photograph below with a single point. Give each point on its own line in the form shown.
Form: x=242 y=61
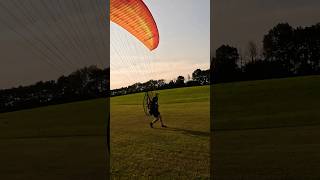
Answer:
x=267 y=129
x=263 y=130
x=179 y=151
x=56 y=142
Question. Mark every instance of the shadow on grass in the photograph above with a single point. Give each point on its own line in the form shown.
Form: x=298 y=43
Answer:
x=186 y=131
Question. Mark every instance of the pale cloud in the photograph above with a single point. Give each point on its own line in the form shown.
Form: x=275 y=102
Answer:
x=160 y=70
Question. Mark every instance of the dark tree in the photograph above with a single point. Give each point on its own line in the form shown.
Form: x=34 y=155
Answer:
x=307 y=50
x=225 y=64
x=202 y=77
x=180 y=81
x=252 y=50
x=278 y=45
x=261 y=69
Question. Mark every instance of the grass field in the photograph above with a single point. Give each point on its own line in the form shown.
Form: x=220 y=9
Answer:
x=263 y=130
x=267 y=129
x=179 y=151
x=56 y=142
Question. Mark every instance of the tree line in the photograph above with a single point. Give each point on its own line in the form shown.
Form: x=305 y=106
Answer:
x=83 y=84
x=286 y=52
x=86 y=83
x=199 y=78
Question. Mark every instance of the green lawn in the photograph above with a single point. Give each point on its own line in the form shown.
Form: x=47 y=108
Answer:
x=263 y=130
x=56 y=142
x=267 y=129
x=179 y=151
x=68 y=141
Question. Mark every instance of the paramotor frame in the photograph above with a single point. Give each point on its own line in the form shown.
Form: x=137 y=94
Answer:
x=147 y=102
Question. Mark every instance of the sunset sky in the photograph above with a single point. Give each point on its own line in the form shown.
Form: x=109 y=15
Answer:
x=184 y=28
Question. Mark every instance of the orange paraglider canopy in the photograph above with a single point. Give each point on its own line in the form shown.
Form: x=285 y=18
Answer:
x=135 y=17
